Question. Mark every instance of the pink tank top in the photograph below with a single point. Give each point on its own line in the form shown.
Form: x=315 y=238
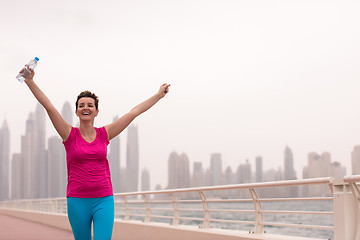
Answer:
x=87 y=165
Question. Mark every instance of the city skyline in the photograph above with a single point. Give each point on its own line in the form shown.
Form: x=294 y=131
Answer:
x=247 y=77
x=51 y=159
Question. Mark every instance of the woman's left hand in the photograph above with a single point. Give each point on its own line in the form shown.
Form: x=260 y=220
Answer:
x=164 y=89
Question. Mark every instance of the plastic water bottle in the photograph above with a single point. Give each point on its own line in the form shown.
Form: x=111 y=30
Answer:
x=31 y=65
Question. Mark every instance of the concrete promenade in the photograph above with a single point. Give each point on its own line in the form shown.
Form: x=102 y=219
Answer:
x=12 y=228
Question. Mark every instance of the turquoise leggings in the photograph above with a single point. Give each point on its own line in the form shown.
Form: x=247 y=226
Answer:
x=84 y=211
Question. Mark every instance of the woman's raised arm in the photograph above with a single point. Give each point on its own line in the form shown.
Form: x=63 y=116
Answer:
x=61 y=126
x=115 y=128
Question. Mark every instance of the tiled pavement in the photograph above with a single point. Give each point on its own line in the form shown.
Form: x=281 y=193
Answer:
x=12 y=228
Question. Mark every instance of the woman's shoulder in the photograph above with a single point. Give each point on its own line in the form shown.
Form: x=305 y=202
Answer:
x=73 y=133
x=103 y=133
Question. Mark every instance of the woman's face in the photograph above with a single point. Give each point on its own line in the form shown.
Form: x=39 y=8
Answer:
x=86 y=109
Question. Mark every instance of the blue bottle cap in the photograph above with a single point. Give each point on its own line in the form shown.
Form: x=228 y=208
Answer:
x=36 y=58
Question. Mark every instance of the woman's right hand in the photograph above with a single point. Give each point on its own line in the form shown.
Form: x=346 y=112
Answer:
x=29 y=77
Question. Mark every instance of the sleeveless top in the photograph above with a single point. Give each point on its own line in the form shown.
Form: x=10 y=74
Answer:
x=87 y=165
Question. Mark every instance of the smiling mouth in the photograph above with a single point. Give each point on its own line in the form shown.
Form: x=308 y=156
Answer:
x=86 y=113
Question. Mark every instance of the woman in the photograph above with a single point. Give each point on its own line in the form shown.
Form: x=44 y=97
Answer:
x=89 y=191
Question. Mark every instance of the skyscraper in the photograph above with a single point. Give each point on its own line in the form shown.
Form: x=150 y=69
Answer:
x=4 y=161
x=17 y=177
x=215 y=169
x=355 y=160
x=178 y=170
x=56 y=163
x=114 y=162
x=67 y=113
x=289 y=172
x=132 y=159
x=145 y=180
x=173 y=164
x=244 y=173
x=198 y=175
x=184 y=172
x=29 y=157
x=259 y=169
x=41 y=163
x=318 y=166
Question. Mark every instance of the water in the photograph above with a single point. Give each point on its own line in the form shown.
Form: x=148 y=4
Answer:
x=306 y=219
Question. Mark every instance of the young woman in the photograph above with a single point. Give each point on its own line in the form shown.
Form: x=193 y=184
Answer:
x=89 y=190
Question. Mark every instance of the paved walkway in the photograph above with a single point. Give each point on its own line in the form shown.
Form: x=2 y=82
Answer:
x=12 y=228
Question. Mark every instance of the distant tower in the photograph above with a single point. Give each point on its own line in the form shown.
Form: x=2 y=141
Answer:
x=41 y=162
x=198 y=175
x=179 y=171
x=216 y=169
x=244 y=172
x=4 y=161
x=355 y=160
x=173 y=164
x=17 y=176
x=56 y=163
x=318 y=166
x=114 y=162
x=259 y=169
x=29 y=157
x=184 y=172
x=132 y=159
x=145 y=180
x=67 y=113
x=289 y=172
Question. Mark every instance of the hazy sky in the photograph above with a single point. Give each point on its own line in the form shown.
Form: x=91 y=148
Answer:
x=248 y=77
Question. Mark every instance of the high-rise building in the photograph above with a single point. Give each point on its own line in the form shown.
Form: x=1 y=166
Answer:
x=173 y=164
x=41 y=162
x=56 y=163
x=67 y=113
x=17 y=177
x=184 y=171
x=259 y=169
x=29 y=150
x=145 y=180
x=244 y=173
x=114 y=162
x=289 y=172
x=318 y=166
x=198 y=175
x=215 y=169
x=178 y=171
x=4 y=161
x=132 y=159
x=336 y=170
x=355 y=160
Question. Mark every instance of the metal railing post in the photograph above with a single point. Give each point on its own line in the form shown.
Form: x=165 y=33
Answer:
x=127 y=211
x=356 y=193
x=206 y=223
x=344 y=212
x=259 y=216
x=147 y=206
x=176 y=218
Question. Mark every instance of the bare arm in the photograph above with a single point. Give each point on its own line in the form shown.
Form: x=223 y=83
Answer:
x=61 y=126
x=115 y=128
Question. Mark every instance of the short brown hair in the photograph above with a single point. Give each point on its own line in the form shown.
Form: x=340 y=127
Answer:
x=90 y=95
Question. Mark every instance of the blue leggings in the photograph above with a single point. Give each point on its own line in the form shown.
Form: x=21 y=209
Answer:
x=83 y=211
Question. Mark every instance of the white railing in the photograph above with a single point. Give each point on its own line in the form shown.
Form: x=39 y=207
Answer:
x=207 y=206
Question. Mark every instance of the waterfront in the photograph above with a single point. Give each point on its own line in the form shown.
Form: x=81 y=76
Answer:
x=194 y=210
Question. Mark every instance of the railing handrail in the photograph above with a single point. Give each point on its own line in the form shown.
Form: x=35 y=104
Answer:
x=285 y=183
